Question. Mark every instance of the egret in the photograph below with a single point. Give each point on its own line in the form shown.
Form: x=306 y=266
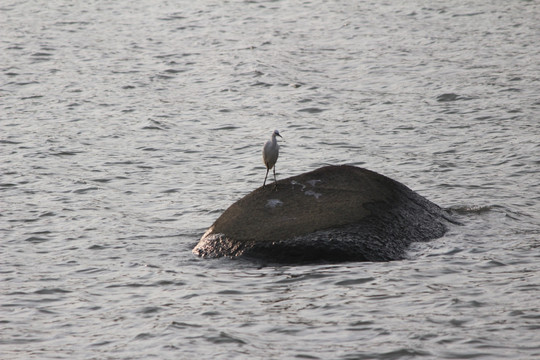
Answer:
x=270 y=154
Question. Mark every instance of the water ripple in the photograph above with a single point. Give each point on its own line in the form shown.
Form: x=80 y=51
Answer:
x=124 y=137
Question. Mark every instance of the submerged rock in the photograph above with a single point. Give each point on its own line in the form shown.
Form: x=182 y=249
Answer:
x=335 y=213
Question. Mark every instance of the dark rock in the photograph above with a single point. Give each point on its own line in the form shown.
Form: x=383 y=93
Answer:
x=335 y=213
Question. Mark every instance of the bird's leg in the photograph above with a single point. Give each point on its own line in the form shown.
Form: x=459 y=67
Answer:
x=275 y=181
x=264 y=183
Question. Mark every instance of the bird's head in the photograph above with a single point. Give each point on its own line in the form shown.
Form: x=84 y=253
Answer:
x=276 y=133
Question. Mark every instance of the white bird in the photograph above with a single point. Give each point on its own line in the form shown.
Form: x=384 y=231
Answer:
x=270 y=154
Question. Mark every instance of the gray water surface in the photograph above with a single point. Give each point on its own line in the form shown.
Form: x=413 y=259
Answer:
x=128 y=127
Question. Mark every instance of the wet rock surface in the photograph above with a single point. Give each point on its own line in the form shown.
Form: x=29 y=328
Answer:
x=335 y=213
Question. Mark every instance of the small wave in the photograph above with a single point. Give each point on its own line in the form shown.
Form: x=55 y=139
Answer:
x=353 y=282
x=474 y=209
x=513 y=214
x=144 y=336
x=447 y=97
x=152 y=124
x=65 y=153
x=183 y=325
x=149 y=310
x=85 y=190
x=224 y=338
x=36 y=239
x=312 y=110
x=225 y=127
x=49 y=291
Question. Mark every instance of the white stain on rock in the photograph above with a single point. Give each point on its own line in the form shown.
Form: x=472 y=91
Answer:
x=272 y=203
x=313 y=183
x=294 y=183
x=313 y=193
